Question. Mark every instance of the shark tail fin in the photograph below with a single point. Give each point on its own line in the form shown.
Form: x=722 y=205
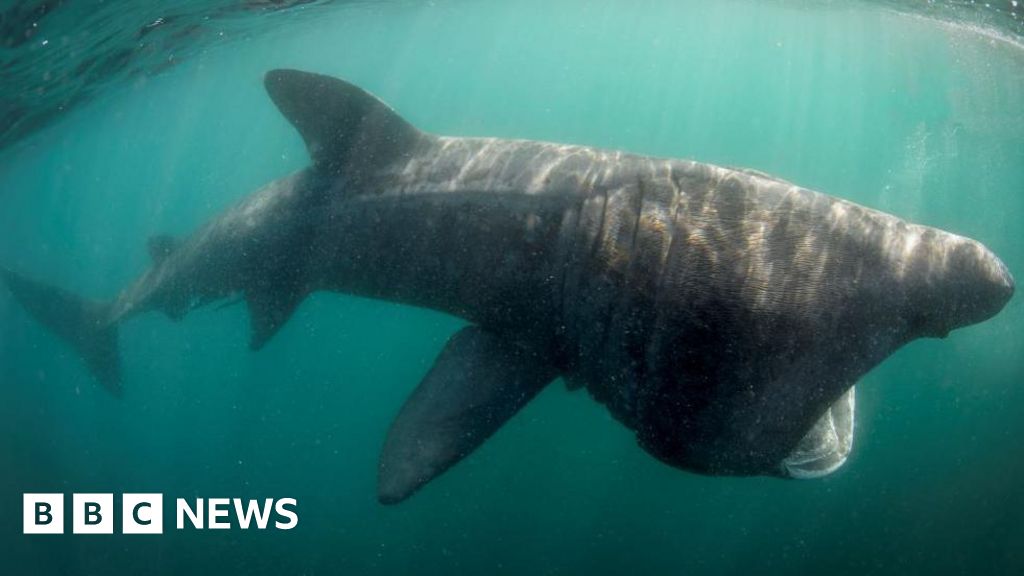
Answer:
x=85 y=324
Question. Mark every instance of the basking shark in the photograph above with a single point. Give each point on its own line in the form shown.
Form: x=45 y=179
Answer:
x=723 y=315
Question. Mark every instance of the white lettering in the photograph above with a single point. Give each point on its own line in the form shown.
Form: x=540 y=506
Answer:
x=195 y=517
x=293 y=517
x=253 y=509
x=218 y=509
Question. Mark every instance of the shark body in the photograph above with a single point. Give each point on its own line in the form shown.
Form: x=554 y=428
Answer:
x=724 y=315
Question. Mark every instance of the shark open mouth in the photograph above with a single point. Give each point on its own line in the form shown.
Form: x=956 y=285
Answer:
x=828 y=443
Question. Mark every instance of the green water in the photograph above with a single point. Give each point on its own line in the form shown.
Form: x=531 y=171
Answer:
x=915 y=117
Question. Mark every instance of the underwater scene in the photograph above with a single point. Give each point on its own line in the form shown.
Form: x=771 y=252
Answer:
x=511 y=287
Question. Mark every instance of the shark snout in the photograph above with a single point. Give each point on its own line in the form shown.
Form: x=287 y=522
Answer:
x=955 y=282
x=1002 y=279
x=983 y=284
x=1001 y=282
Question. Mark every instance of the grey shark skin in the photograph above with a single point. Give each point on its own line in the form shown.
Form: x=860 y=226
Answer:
x=723 y=315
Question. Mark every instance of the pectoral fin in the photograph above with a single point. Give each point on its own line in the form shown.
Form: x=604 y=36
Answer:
x=477 y=384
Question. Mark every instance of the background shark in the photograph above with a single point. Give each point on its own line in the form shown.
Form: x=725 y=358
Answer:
x=724 y=315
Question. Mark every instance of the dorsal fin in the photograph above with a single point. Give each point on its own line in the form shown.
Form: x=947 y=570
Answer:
x=345 y=128
x=161 y=246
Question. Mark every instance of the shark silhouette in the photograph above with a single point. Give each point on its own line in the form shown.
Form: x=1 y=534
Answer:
x=722 y=314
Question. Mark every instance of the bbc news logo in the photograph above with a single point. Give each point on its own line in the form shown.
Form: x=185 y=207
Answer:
x=144 y=513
